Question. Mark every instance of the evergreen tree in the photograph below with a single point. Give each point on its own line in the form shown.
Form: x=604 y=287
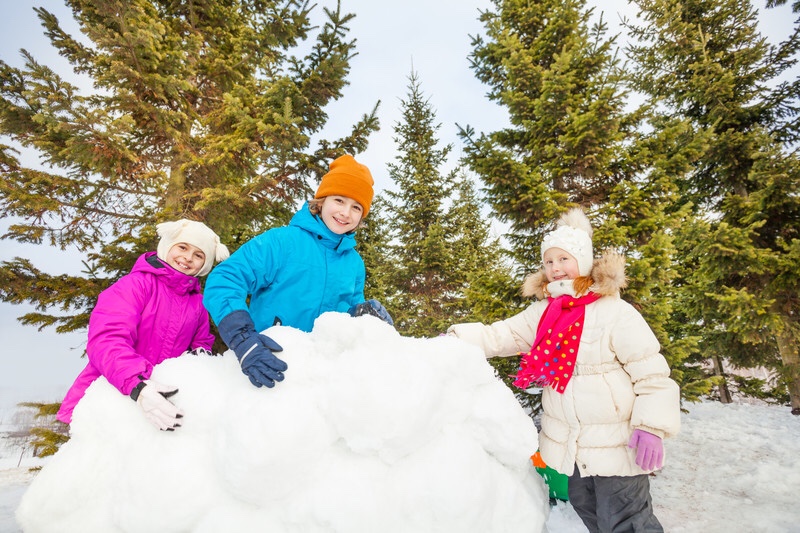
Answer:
x=487 y=288
x=571 y=142
x=436 y=249
x=657 y=269
x=559 y=82
x=373 y=246
x=203 y=110
x=45 y=434
x=419 y=245
x=704 y=64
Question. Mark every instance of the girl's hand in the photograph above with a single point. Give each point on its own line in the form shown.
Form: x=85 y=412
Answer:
x=649 y=449
x=161 y=412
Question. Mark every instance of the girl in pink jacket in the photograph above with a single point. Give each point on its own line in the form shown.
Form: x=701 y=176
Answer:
x=151 y=314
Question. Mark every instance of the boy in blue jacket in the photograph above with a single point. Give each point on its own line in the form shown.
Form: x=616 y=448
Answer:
x=293 y=274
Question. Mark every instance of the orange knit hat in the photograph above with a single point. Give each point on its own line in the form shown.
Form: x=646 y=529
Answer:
x=347 y=177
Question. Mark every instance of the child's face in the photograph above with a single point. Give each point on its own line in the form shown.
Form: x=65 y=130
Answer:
x=341 y=214
x=559 y=264
x=186 y=258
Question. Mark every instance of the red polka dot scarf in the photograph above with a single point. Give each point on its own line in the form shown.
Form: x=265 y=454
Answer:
x=551 y=360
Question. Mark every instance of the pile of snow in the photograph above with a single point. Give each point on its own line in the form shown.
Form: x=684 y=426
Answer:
x=370 y=431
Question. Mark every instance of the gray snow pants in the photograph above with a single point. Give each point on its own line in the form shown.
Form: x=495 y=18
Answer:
x=613 y=504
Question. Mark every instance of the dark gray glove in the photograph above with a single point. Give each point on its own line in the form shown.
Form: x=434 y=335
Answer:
x=374 y=308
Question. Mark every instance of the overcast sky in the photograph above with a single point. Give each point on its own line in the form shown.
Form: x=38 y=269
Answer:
x=430 y=36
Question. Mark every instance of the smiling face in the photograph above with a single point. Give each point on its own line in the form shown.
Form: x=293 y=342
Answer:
x=186 y=258
x=559 y=264
x=341 y=214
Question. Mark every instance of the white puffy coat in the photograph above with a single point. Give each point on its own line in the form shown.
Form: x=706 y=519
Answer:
x=621 y=381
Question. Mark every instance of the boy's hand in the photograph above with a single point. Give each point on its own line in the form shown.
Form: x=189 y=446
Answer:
x=254 y=351
x=374 y=308
x=259 y=363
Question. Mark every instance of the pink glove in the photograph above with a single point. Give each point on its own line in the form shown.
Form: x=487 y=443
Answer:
x=649 y=449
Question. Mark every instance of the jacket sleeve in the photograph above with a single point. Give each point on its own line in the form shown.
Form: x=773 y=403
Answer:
x=358 y=288
x=114 y=330
x=249 y=269
x=504 y=338
x=656 y=407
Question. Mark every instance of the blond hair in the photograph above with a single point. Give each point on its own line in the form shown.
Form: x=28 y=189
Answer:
x=315 y=206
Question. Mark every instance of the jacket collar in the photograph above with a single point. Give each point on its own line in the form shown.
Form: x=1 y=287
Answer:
x=177 y=281
x=314 y=225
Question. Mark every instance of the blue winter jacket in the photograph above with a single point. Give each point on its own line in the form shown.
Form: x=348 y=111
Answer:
x=292 y=274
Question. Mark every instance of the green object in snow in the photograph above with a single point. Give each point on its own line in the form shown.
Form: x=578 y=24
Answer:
x=556 y=482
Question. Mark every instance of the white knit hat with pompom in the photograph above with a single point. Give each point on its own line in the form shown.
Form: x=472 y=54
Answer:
x=573 y=234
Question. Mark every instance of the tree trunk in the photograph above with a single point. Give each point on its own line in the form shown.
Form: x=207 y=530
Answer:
x=173 y=198
x=724 y=393
x=787 y=346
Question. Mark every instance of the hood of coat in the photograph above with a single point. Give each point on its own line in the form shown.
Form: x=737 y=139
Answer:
x=608 y=273
x=315 y=226
x=179 y=282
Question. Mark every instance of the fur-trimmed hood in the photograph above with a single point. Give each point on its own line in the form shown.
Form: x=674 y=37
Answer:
x=608 y=273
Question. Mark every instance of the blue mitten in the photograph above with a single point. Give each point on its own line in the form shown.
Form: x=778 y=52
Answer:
x=374 y=308
x=253 y=350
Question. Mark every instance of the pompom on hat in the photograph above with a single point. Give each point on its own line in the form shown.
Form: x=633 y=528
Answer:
x=573 y=234
x=194 y=233
x=347 y=177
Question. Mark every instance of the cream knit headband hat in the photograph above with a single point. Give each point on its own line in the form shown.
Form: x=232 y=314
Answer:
x=194 y=233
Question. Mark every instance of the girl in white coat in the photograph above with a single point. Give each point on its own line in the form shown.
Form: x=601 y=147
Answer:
x=608 y=400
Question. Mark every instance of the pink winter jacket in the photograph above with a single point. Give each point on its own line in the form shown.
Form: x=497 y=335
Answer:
x=151 y=314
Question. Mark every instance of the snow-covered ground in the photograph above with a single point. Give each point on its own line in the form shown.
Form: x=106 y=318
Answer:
x=732 y=468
